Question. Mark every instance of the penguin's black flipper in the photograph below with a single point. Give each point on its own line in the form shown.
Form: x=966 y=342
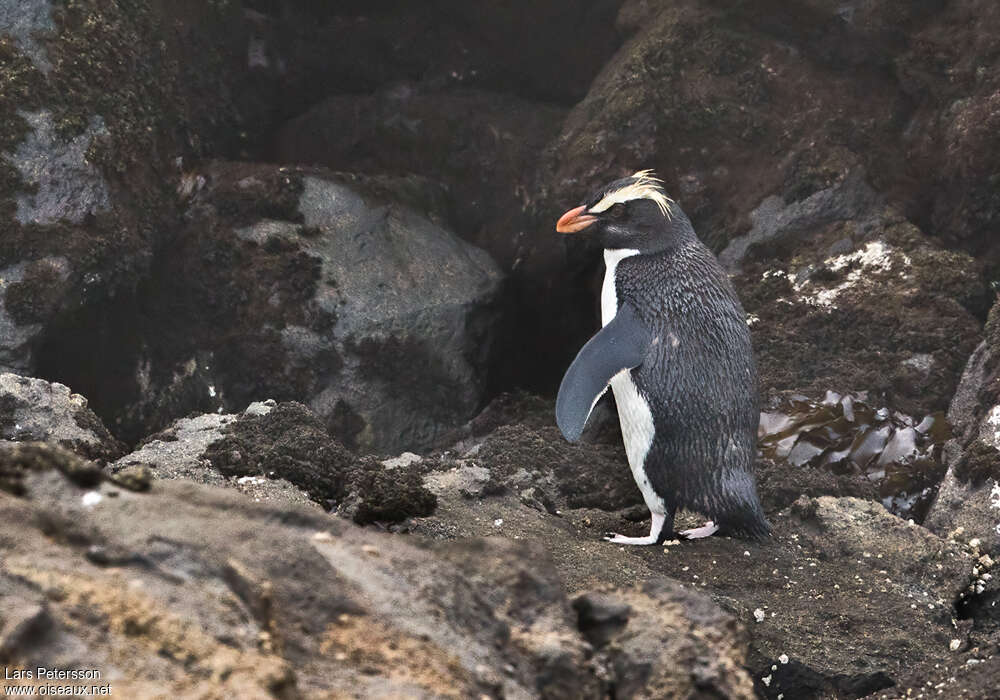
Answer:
x=622 y=344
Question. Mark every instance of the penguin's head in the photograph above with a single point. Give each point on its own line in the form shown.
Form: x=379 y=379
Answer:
x=633 y=212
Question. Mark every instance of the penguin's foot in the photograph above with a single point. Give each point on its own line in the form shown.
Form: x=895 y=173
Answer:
x=707 y=530
x=655 y=531
x=614 y=538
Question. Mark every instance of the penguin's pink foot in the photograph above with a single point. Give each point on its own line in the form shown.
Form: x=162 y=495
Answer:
x=614 y=538
x=655 y=529
x=706 y=530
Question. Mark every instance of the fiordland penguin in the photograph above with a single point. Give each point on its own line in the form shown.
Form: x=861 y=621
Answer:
x=675 y=349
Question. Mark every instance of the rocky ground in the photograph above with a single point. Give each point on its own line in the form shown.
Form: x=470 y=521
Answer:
x=282 y=314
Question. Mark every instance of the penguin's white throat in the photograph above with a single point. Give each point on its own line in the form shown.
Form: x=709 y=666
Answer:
x=609 y=291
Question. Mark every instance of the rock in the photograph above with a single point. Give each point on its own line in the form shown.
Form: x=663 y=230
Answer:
x=775 y=222
x=661 y=640
x=969 y=496
x=483 y=146
x=302 y=285
x=378 y=494
x=281 y=452
x=309 y=605
x=36 y=410
x=470 y=481
x=99 y=102
x=953 y=130
x=306 y=50
x=846 y=307
x=20 y=460
x=186 y=448
x=700 y=93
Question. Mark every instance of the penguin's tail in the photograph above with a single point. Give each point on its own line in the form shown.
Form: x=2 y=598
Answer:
x=749 y=523
x=743 y=515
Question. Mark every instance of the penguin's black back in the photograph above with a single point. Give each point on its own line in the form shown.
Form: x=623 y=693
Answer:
x=700 y=381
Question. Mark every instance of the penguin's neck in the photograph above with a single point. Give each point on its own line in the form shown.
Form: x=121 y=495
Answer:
x=609 y=291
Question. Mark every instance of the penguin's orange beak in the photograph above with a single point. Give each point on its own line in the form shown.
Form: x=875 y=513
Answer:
x=574 y=220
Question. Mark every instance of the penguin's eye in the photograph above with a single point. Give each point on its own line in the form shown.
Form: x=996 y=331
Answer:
x=617 y=211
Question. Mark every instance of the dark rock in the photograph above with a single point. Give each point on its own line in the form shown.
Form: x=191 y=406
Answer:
x=19 y=459
x=949 y=69
x=483 y=146
x=36 y=410
x=600 y=617
x=968 y=501
x=890 y=317
x=288 y=442
x=310 y=50
x=301 y=285
x=377 y=493
x=99 y=102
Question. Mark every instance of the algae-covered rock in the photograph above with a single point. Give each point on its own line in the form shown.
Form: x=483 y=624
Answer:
x=856 y=300
x=98 y=104
x=304 y=285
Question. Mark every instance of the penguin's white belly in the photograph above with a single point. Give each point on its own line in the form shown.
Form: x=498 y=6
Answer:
x=634 y=414
x=636 y=420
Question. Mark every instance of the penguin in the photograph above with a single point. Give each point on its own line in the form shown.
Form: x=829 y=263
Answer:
x=675 y=349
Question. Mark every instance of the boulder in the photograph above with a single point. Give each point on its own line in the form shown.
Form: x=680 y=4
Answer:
x=99 y=103
x=844 y=295
x=482 y=146
x=949 y=70
x=37 y=410
x=330 y=290
x=282 y=452
x=968 y=501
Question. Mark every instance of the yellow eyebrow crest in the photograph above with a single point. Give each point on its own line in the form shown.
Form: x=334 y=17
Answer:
x=645 y=186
